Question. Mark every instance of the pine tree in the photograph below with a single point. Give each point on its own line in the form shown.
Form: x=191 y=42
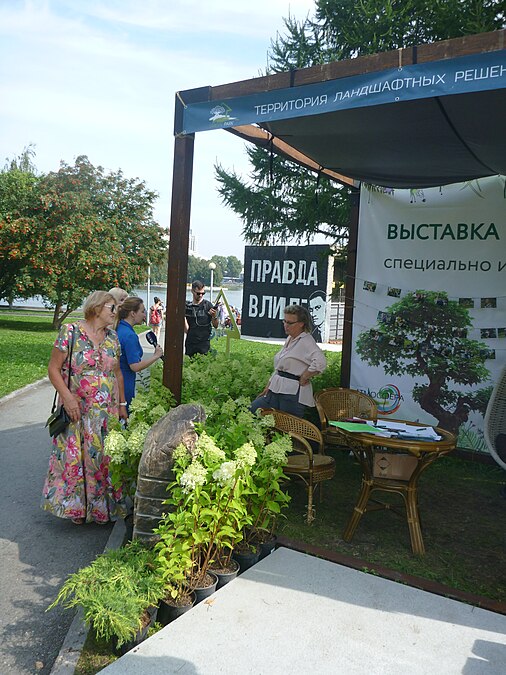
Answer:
x=282 y=200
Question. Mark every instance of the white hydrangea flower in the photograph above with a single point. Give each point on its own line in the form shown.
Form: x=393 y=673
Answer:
x=115 y=446
x=246 y=455
x=276 y=451
x=194 y=475
x=243 y=402
x=225 y=474
x=267 y=421
x=180 y=454
x=157 y=413
x=228 y=408
x=256 y=437
x=138 y=404
x=206 y=447
x=137 y=438
x=245 y=418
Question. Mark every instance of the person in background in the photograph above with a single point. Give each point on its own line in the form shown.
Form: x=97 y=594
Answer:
x=289 y=388
x=119 y=295
x=200 y=318
x=156 y=317
x=132 y=313
x=77 y=486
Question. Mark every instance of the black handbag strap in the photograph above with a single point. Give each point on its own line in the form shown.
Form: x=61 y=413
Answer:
x=70 y=367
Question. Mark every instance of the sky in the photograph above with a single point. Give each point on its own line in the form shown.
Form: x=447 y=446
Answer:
x=99 y=77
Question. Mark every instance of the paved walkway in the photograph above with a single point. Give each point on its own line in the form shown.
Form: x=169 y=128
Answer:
x=293 y=613
x=38 y=551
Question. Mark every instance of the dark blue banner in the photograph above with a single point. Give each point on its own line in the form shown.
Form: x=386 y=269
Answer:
x=480 y=72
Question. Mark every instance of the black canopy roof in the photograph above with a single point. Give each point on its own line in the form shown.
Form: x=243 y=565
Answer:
x=352 y=121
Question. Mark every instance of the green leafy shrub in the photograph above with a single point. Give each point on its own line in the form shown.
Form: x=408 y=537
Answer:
x=114 y=591
x=226 y=487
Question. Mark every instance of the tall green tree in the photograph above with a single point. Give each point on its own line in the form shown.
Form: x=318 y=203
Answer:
x=233 y=267
x=280 y=200
x=85 y=230
x=18 y=202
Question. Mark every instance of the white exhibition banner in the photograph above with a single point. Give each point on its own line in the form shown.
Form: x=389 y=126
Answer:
x=429 y=321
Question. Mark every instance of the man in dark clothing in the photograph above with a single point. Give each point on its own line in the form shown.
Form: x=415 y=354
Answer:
x=200 y=315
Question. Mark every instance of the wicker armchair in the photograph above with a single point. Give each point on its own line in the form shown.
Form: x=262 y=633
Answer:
x=311 y=467
x=336 y=404
x=495 y=421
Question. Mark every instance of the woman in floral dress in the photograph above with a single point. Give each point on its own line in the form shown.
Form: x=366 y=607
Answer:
x=78 y=486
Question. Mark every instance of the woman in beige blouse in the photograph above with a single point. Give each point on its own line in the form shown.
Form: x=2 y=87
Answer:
x=289 y=388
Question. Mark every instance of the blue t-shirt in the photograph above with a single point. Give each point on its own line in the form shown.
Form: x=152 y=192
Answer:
x=131 y=352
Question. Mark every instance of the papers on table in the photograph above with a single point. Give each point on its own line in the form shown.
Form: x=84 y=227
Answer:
x=390 y=429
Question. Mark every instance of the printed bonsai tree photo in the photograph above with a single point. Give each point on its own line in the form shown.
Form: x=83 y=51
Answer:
x=424 y=335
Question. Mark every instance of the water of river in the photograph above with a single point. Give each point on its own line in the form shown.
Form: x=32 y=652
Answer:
x=234 y=297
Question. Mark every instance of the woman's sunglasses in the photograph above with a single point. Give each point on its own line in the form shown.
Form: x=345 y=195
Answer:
x=111 y=307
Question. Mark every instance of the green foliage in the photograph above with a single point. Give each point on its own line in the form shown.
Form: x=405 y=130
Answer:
x=216 y=377
x=420 y=336
x=224 y=487
x=124 y=446
x=73 y=231
x=198 y=268
x=114 y=591
x=294 y=204
x=290 y=204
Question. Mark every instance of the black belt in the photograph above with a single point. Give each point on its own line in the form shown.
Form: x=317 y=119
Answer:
x=288 y=376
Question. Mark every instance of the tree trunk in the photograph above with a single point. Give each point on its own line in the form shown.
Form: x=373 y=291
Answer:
x=56 y=316
x=450 y=421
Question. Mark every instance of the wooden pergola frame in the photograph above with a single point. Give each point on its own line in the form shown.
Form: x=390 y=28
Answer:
x=183 y=170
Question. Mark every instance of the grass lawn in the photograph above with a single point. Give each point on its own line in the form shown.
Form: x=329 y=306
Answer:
x=26 y=338
x=25 y=346
x=462 y=516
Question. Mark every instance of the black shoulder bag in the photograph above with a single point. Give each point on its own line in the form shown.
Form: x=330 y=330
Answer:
x=59 y=420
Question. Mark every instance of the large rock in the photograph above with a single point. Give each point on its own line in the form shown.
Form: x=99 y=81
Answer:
x=155 y=467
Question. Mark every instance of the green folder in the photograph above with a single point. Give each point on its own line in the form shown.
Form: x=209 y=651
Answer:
x=357 y=428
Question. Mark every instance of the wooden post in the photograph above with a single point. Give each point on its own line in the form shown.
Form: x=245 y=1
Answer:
x=349 y=289
x=178 y=263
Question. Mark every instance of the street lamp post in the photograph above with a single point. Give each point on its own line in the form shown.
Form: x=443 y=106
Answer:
x=212 y=267
x=148 y=289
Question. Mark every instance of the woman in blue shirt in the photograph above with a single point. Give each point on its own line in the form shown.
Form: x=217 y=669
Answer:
x=132 y=313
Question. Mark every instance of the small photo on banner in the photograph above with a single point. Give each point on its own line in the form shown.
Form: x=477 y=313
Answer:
x=488 y=303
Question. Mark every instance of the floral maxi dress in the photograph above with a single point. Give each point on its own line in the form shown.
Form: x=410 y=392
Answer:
x=78 y=483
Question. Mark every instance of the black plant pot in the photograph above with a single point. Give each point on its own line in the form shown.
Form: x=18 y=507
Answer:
x=140 y=636
x=168 y=612
x=205 y=591
x=226 y=577
x=246 y=559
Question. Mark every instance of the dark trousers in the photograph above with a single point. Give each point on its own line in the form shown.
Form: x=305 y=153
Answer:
x=288 y=403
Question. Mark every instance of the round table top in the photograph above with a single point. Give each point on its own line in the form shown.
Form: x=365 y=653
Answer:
x=447 y=442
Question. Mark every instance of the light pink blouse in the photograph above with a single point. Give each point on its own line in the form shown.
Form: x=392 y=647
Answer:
x=296 y=355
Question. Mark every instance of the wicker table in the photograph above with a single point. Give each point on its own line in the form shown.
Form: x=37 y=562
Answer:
x=365 y=447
